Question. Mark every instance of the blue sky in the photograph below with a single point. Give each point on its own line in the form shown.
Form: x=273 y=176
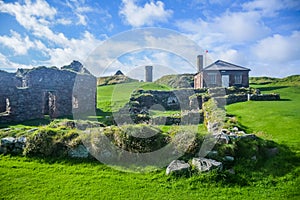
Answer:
x=263 y=35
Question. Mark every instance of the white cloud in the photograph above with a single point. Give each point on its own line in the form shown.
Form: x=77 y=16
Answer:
x=241 y=26
x=59 y=49
x=149 y=14
x=278 y=48
x=230 y=28
x=74 y=49
x=79 y=8
x=17 y=43
x=64 y=21
x=270 y=7
x=7 y=65
x=81 y=19
x=34 y=17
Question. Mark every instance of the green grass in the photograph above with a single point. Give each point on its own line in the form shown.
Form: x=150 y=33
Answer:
x=111 y=98
x=279 y=178
x=279 y=120
x=25 y=178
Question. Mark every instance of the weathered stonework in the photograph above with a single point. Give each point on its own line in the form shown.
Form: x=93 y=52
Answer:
x=169 y=100
x=32 y=94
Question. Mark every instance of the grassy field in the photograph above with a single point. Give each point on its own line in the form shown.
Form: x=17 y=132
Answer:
x=111 y=98
x=277 y=120
x=24 y=178
x=279 y=178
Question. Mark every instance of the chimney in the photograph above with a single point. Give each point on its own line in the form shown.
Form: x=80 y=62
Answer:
x=199 y=63
x=148 y=73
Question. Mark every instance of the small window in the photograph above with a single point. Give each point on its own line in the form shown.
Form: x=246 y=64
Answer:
x=212 y=78
x=6 y=109
x=238 y=79
x=75 y=102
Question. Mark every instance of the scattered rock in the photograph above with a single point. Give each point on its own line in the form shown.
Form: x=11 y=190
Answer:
x=8 y=141
x=20 y=142
x=236 y=129
x=212 y=154
x=79 y=152
x=222 y=138
x=249 y=136
x=204 y=164
x=12 y=145
x=177 y=167
x=228 y=159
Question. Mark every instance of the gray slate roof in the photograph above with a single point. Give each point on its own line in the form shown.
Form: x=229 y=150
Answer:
x=220 y=65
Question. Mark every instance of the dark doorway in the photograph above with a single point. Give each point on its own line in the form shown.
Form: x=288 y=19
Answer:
x=49 y=103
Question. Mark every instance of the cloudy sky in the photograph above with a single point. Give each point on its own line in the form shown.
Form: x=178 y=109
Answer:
x=263 y=35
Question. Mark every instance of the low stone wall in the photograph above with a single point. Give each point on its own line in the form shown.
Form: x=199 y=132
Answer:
x=235 y=98
x=194 y=117
x=265 y=97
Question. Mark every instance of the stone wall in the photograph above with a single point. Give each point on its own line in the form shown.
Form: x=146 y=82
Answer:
x=169 y=100
x=32 y=94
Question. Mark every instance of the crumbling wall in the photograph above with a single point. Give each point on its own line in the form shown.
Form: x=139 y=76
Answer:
x=32 y=94
x=169 y=100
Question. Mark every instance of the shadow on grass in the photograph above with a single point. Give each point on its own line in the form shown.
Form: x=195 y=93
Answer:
x=284 y=100
x=34 y=122
x=100 y=116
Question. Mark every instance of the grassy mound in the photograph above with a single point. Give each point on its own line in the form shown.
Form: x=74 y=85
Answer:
x=287 y=81
x=177 y=81
x=115 y=79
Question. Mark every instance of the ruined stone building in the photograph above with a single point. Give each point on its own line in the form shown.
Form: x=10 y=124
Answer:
x=34 y=93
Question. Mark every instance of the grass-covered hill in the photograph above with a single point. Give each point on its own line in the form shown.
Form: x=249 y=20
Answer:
x=177 y=81
x=289 y=81
x=115 y=79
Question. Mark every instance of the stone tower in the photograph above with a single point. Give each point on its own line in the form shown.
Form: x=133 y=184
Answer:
x=148 y=73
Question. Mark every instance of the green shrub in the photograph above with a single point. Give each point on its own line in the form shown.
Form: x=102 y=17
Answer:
x=48 y=141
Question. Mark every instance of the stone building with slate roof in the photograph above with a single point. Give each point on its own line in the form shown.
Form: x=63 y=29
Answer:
x=220 y=74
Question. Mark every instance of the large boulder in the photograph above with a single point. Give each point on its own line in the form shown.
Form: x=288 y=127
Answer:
x=204 y=164
x=177 y=167
x=79 y=152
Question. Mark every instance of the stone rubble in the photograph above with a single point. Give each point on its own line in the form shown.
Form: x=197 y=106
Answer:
x=205 y=164
x=177 y=167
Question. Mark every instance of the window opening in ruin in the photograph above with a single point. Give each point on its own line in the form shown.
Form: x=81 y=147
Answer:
x=7 y=106
x=24 y=82
x=5 y=109
x=75 y=102
x=49 y=103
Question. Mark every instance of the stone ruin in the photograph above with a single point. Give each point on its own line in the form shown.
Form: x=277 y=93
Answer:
x=34 y=93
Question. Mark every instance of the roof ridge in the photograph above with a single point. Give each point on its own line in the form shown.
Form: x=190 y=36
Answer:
x=225 y=63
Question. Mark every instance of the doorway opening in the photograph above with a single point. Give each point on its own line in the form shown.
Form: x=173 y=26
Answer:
x=225 y=80
x=49 y=103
